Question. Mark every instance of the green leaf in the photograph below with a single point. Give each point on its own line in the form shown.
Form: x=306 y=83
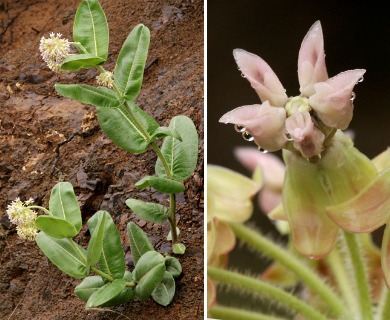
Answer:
x=148 y=211
x=169 y=236
x=112 y=259
x=106 y=293
x=165 y=290
x=181 y=156
x=62 y=254
x=99 y=97
x=139 y=242
x=129 y=68
x=80 y=61
x=164 y=132
x=56 y=227
x=91 y=29
x=148 y=273
x=95 y=246
x=123 y=131
x=63 y=204
x=161 y=184
x=179 y=248
x=173 y=266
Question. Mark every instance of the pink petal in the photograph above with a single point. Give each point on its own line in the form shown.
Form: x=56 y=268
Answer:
x=332 y=99
x=264 y=122
x=261 y=77
x=385 y=255
x=271 y=166
x=307 y=138
x=269 y=199
x=368 y=210
x=311 y=60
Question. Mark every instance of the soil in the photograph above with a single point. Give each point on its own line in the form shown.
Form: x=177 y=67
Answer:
x=45 y=138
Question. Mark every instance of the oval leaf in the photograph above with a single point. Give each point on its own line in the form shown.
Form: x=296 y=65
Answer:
x=80 y=61
x=99 y=97
x=122 y=130
x=95 y=246
x=148 y=273
x=112 y=259
x=88 y=286
x=62 y=254
x=164 y=292
x=161 y=184
x=173 y=266
x=129 y=68
x=181 y=156
x=55 y=227
x=164 y=132
x=63 y=204
x=179 y=248
x=106 y=293
x=148 y=211
x=139 y=242
x=91 y=29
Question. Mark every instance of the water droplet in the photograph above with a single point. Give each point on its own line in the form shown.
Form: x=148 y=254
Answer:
x=263 y=150
x=360 y=79
x=239 y=128
x=247 y=136
x=288 y=136
x=243 y=75
x=353 y=96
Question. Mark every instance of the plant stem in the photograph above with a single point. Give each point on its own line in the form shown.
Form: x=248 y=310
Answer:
x=336 y=264
x=292 y=263
x=383 y=311
x=263 y=288
x=41 y=208
x=172 y=218
x=359 y=270
x=229 y=313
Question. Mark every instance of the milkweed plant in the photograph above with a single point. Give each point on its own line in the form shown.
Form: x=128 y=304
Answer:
x=327 y=197
x=101 y=265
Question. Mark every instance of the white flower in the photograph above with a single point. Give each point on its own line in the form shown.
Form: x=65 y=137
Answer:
x=54 y=50
x=27 y=231
x=19 y=212
x=106 y=78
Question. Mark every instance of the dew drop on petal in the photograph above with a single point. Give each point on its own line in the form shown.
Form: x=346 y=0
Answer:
x=243 y=75
x=262 y=150
x=360 y=79
x=353 y=96
x=247 y=136
x=239 y=128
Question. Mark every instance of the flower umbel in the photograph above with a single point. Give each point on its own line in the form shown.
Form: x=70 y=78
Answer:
x=54 y=50
x=106 y=78
x=302 y=123
x=20 y=214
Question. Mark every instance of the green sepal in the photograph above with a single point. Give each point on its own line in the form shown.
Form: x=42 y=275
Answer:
x=152 y=212
x=62 y=254
x=63 y=204
x=160 y=184
x=139 y=242
x=55 y=227
x=181 y=156
x=165 y=290
x=148 y=273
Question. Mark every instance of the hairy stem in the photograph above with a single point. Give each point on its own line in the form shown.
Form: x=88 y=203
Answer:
x=360 y=276
x=229 y=313
x=41 y=208
x=383 y=311
x=263 y=288
x=292 y=263
x=172 y=218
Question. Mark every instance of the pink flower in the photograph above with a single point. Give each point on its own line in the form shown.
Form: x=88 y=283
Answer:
x=300 y=123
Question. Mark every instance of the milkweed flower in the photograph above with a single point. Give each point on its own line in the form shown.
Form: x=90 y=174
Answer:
x=106 y=78
x=328 y=183
x=54 y=50
x=20 y=214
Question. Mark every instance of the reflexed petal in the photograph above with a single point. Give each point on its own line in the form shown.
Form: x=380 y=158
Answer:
x=263 y=122
x=307 y=138
x=211 y=293
x=231 y=194
x=311 y=60
x=385 y=255
x=368 y=210
x=332 y=98
x=261 y=77
x=382 y=160
x=272 y=167
x=224 y=242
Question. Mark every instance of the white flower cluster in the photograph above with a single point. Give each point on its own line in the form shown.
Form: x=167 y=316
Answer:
x=106 y=78
x=20 y=214
x=54 y=50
